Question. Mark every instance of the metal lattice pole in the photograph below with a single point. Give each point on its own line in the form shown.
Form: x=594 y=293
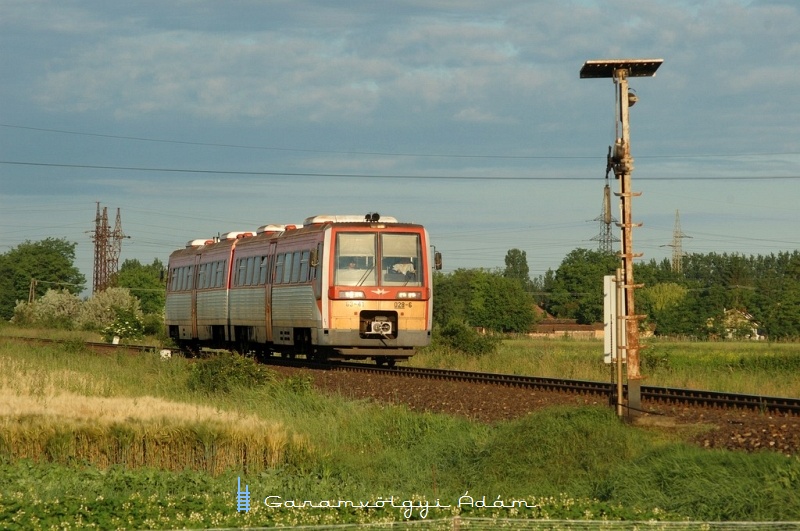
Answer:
x=107 y=249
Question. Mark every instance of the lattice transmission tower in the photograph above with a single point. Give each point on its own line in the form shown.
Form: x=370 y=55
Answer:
x=605 y=237
x=677 y=247
x=107 y=248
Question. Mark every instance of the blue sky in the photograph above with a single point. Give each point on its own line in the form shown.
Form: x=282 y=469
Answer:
x=201 y=117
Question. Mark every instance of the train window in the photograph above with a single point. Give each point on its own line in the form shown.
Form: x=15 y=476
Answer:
x=355 y=259
x=296 y=266
x=304 y=266
x=250 y=269
x=238 y=275
x=186 y=281
x=262 y=270
x=401 y=255
x=287 y=269
x=219 y=273
x=278 y=269
x=201 y=276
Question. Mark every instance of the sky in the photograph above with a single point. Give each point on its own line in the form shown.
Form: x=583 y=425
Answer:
x=199 y=117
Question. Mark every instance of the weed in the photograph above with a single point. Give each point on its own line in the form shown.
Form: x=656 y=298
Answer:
x=225 y=371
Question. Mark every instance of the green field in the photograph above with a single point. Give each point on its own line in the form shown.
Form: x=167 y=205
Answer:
x=134 y=441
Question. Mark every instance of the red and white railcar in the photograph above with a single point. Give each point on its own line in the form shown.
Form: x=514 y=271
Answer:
x=335 y=287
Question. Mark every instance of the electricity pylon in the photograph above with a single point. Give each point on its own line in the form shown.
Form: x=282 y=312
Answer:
x=107 y=249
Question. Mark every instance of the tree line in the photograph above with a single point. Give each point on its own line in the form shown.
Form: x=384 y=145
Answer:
x=693 y=300
x=690 y=301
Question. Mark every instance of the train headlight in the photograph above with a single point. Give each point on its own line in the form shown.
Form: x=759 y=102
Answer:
x=381 y=327
x=409 y=295
x=352 y=294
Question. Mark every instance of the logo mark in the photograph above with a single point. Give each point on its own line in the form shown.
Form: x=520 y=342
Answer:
x=380 y=291
x=242 y=497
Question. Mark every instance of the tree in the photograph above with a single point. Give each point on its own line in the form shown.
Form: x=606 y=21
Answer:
x=659 y=303
x=145 y=282
x=482 y=299
x=517 y=267
x=50 y=262
x=576 y=290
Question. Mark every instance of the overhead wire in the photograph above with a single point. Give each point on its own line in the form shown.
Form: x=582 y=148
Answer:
x=376 y=153
x=390 y=176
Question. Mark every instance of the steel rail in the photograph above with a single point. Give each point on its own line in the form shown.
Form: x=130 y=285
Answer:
x=651 y=394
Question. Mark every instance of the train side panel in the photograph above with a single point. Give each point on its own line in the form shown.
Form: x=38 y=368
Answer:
x=252 y=270
x=179 y=316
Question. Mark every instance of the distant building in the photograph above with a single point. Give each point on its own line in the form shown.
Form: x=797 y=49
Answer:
x=551 y=327
x=738 y=324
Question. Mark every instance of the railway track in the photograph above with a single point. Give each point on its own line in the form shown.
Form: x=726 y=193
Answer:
x=651 y=396
x=94 y=346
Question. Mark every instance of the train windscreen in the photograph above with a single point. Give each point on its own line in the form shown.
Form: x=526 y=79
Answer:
x=372 y=259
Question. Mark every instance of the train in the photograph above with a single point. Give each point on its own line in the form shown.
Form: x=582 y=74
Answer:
x=353 y=287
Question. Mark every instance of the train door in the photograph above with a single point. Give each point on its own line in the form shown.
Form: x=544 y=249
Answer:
x=193 y=291
x=270 y=281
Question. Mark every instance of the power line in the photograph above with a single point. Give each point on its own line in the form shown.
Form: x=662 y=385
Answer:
x=397 y=176
x=383 y=153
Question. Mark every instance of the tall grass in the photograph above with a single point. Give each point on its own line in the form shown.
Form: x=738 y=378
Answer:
x=54 y=408
x=764 y=368
x=74 y=424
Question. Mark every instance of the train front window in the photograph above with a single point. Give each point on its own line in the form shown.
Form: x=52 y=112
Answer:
x=401 y=259
x=362 y=259
x=355 y=259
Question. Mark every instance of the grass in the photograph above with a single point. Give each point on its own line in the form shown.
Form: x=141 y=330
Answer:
x=71 y=408
x=764 y=368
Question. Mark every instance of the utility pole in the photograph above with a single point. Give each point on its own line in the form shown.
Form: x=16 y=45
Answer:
x=621 y=162
x=32 y=291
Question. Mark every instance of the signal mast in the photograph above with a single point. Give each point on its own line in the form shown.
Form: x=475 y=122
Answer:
x=621 y=162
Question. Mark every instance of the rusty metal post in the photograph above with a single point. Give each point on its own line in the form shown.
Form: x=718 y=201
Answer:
x=622 y=163
x=623 y=168
x=620 y=343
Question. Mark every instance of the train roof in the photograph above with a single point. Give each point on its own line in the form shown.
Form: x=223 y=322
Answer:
x=326 y=218
x=271 y=229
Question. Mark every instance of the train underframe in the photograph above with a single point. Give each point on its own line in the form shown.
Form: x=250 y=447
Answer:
x=363 y=344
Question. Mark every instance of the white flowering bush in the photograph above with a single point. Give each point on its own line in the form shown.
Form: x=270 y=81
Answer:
x=126 y=325
x=56 y=309
x=101 y=311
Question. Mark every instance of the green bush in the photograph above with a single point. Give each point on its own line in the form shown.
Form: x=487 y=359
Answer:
x=225 y=371
x=153 y=325
x=461 y=337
